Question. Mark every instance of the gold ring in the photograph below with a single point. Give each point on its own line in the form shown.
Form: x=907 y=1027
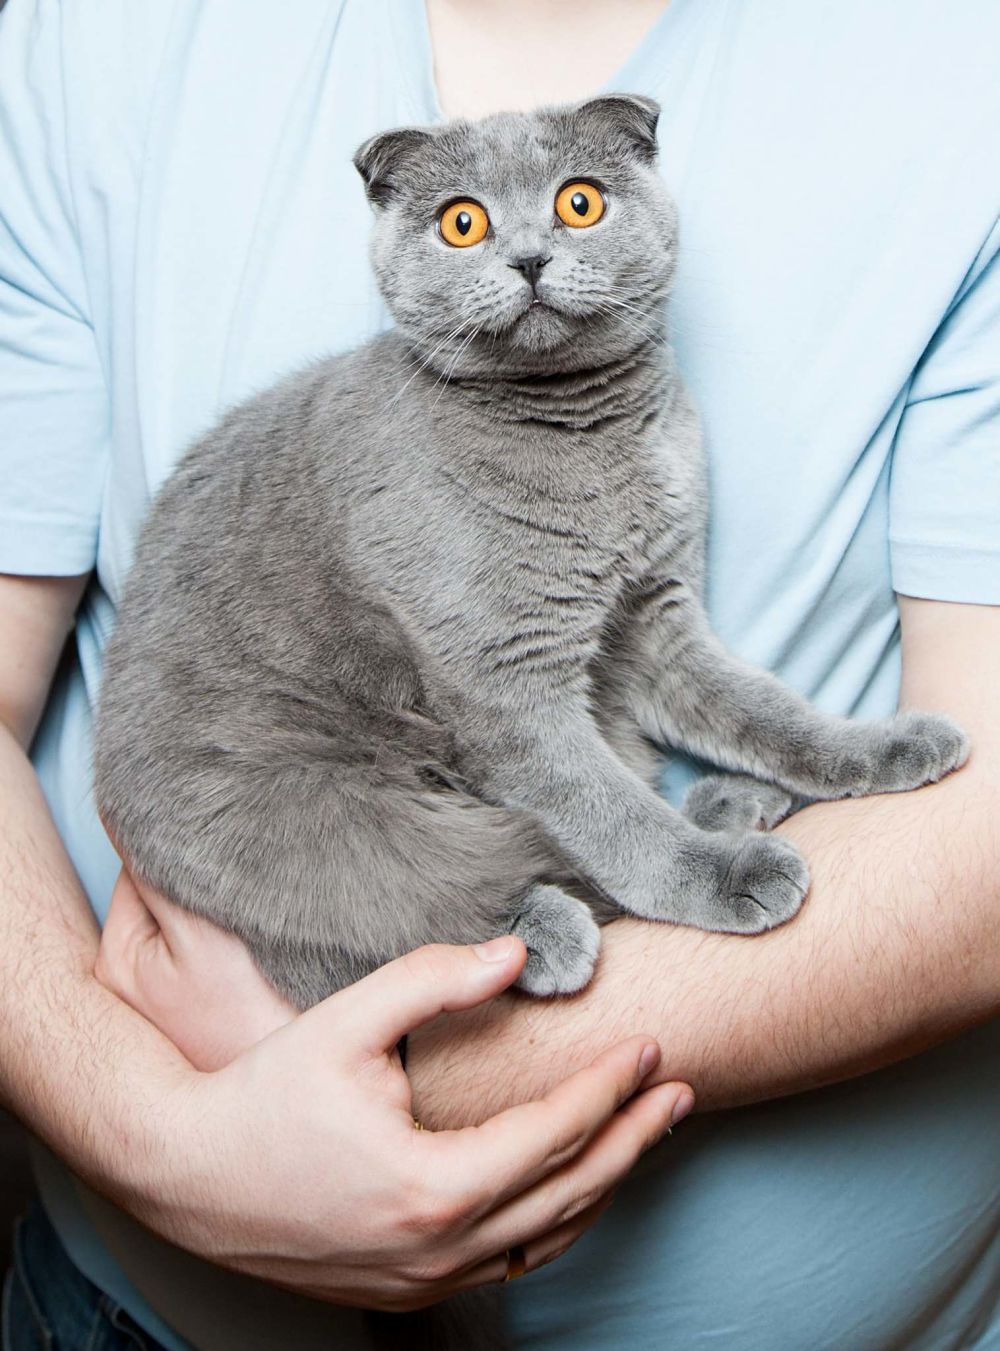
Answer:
x=517 y=1263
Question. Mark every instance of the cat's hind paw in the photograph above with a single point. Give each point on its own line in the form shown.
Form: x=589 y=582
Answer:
x=562 y=939
x=736 y=802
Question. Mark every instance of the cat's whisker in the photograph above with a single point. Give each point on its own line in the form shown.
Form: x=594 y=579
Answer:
x=646 y=334
x=620 y=312
x=455 y=360
x=426 y=362
x=631 y=308
x=613 y=295
x=442 y=373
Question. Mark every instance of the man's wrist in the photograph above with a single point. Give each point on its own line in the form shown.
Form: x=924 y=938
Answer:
x=110 y=1102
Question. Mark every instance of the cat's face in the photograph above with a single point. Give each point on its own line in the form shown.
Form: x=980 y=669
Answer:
x=526 y=242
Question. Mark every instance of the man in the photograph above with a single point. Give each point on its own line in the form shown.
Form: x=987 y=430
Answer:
x=197 y=229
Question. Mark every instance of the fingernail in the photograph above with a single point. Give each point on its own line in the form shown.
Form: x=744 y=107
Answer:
x=496 y=950
x=649 y=1059
x=682 y=1106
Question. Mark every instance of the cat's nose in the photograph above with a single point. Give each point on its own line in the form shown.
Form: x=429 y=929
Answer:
x=531 y=266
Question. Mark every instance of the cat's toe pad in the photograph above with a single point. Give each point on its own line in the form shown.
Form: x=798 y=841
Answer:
x=562 y=939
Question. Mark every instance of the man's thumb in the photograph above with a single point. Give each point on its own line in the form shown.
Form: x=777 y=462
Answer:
x=416 y=988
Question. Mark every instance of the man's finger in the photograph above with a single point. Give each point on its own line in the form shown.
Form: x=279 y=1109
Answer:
x=183 y=931
x=558 y=1200
x=538 y=1252
x=513 y=1150
x=127 y=928
x=371 y=1016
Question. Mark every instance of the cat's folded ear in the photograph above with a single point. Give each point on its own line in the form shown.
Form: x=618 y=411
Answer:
x=633 y=117
x=382 y=159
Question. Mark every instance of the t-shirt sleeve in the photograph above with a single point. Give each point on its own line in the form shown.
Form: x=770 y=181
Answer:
x=53 y=401
x=944 y=502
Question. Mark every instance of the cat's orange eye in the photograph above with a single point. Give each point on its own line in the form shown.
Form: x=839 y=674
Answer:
x=463 y=224
x=580 y=204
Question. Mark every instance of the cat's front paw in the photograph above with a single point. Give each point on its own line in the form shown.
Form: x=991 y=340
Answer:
x=916 y=749
x=562 y=939
x=764 y=885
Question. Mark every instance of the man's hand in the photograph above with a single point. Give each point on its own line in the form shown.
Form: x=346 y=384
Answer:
x=413 y=1217
x=305 y=1169
x=191 y=979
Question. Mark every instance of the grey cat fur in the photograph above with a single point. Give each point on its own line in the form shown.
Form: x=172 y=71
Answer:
x=406 y=635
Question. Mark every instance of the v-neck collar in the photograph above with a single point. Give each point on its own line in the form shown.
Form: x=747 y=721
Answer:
x=645 y=67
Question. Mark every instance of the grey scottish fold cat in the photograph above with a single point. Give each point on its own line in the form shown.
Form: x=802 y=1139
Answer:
x=407 y=634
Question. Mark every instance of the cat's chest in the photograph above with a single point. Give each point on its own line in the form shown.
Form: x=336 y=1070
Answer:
x=499 y=558
x=492 y=538
x=606 y=508
x=556 y=496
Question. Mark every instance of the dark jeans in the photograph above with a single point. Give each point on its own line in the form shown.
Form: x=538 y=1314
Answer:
x=49 y=1305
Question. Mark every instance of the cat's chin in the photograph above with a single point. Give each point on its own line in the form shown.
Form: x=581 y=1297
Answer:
x=539 y=328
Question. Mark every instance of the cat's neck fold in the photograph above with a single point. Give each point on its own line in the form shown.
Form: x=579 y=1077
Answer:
x=632 y=385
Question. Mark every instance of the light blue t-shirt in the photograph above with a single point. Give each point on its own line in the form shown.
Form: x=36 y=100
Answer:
x=180 y=223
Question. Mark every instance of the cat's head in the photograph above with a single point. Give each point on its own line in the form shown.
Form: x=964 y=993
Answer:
x=524 y=242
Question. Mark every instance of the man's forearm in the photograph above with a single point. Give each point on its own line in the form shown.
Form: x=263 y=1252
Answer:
x=896 y=949
x=68 y=1048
